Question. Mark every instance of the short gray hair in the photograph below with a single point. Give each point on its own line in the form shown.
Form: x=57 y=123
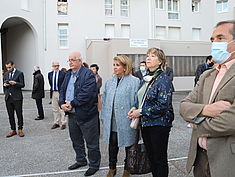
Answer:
x=232 y=30
x=36 y=68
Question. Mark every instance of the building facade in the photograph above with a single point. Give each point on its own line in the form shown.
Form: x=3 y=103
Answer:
x=39 y=32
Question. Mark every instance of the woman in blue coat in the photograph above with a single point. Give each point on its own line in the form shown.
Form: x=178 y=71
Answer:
x=156 y=111
x=118 y=98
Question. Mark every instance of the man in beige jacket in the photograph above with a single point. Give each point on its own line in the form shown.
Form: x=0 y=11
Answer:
x=210 y=108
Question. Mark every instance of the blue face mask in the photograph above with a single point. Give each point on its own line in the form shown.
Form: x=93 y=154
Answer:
x=142 y=68
x=219 y=51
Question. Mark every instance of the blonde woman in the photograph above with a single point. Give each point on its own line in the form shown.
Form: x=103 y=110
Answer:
x=118 y=98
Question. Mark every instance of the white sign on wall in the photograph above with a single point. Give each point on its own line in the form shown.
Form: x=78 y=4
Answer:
x=139 y=43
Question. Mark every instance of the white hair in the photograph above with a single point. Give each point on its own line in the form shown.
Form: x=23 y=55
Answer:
x=36 y=68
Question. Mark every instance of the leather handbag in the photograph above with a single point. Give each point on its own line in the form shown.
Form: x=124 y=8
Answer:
x=137 y=160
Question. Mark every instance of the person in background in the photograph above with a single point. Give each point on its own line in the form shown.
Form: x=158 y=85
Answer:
x=142 y=70
x=95 y=68
x=12 y=84
x=38 y=91
x=63 y=69
x=203 y=67
x=56 y=78
x=78 y=98
x=85 y=64
x=118 y=98
x=156 y=113
x=169 y=72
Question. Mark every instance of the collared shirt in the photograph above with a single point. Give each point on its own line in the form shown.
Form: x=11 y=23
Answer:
x=222 y=69
x=55 y=74
x=70 y=88
x=13 y=72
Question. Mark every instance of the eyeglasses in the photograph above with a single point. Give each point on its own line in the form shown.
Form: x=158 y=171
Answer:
x=55 y=65
x=72 y=60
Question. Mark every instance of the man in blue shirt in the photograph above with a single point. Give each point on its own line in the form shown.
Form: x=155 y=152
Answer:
x=78 y=98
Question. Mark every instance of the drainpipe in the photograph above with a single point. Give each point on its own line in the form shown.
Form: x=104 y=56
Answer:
x=44 y=26
x=1 y=81
x=150 y=19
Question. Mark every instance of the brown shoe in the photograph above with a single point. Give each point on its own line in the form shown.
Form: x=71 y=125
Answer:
x=63 y=127
x=126 y=173
x=55 y=126
x=20 y=133
x=111 y=173
x=11 y=133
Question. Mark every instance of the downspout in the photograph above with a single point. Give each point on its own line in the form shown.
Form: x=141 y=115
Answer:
x=44 y=26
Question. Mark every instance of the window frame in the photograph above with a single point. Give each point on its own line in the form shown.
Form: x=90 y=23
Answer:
x=60 y=36
x=157 y=4
x=172 y=11
x=222 y=6
x=198 y=6
x=127 y=9
x=111 y=8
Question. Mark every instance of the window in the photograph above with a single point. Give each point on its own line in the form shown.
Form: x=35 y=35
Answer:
x=109 y=30
x=125 y=30
x=160 y=4
x=160 y=32
x=108 y=6
x=63 y=35
x=125 y=8
x=173 y=9
x=174 y=33
x=195 y=6
x=222 y=6
x=62 y=7
x=25 y=4
x=196 y=34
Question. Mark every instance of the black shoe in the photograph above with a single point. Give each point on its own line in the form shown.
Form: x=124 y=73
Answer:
x=38 y=118
x=90 y=171
x=75 y=166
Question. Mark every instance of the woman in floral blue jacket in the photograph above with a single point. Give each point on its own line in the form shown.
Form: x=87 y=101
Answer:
x=155 y=111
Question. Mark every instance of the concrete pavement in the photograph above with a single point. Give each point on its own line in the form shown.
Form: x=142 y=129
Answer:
x=46 y=152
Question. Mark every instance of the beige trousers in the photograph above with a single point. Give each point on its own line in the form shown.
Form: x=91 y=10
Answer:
x=59 y=115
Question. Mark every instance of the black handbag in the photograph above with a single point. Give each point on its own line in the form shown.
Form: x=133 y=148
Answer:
x=137 y=159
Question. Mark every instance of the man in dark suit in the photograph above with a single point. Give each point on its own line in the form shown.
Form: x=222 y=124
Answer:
x=12 y=83
x=56 y=78
x=203 y=67
x=78 y=98
x=142 y=71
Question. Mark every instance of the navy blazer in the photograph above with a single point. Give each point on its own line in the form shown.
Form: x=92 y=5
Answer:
x=15 y=90
x=85 y=94
x=60 y=79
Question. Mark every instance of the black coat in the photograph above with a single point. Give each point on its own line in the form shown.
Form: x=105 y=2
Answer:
x=38 y=85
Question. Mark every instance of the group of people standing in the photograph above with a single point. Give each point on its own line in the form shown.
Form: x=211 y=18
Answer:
x=209 y=108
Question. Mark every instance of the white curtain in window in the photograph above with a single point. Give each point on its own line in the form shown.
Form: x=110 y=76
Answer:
x=160 y=32
x=196 y=34
x=174 y=33
x=109 y=30
x=125 y=30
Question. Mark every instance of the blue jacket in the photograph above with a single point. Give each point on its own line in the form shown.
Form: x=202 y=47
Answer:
x=85 y=94
x=60 y=79
x=157 y=109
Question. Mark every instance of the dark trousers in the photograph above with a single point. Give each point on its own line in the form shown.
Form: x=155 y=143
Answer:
x=156 y=142
x=201 y=164
x=12 y=106
x=79 y=133
x=40 y=108
x=113 y=151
